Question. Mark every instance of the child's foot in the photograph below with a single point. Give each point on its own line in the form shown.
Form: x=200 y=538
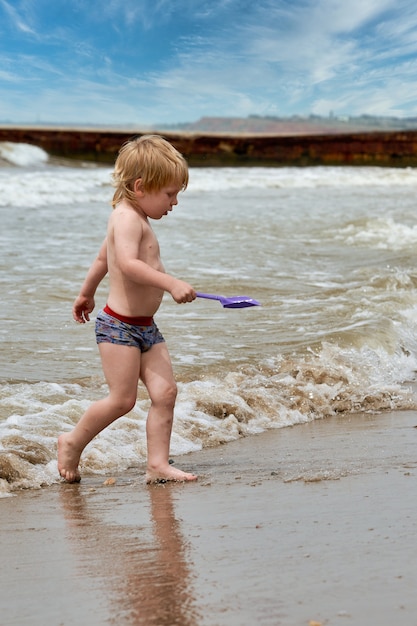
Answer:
x=68 y=459
x=168 y=474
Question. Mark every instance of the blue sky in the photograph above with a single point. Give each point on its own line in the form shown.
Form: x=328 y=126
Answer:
x=144 y=62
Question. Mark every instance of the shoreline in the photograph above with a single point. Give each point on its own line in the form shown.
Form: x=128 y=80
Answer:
x=314 y=523
x=366 y=148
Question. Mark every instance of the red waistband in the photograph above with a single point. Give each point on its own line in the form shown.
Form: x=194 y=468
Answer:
x=134 y=321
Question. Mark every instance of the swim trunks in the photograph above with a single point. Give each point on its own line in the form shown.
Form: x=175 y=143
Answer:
x=139 y=332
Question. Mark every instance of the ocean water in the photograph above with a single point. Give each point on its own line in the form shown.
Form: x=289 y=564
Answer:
x=329 y=252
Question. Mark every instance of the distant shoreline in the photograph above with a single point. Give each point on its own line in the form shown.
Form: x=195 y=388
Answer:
x=101 y=145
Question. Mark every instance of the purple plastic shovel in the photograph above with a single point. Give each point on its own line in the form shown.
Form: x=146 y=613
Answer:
x=235 y=302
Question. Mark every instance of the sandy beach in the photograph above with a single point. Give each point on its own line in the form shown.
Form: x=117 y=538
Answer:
x=314 y=524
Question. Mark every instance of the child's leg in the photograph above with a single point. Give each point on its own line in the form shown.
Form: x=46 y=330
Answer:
x=156 y=373
x=121 y=367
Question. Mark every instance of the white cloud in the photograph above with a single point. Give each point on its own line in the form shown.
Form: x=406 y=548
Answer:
x=15 y=18
x=171 y=60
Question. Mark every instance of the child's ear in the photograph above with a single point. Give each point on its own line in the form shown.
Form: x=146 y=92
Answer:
x=138 y=187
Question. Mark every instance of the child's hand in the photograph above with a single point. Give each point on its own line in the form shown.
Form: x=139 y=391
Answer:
x=182 y=292
x=82 y=308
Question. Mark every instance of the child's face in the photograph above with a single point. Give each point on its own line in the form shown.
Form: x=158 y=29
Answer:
x=156 y=204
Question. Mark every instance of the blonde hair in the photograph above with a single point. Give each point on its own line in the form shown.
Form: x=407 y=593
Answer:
x=152 y=159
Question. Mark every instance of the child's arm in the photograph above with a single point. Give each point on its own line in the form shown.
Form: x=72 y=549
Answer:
x=128 y=234
x=84 y=303
x=140 y=272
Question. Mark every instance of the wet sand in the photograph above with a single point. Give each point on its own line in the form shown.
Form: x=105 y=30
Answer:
x=311 y=524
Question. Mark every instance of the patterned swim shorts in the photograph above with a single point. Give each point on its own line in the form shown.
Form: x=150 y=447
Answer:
x=110 y=329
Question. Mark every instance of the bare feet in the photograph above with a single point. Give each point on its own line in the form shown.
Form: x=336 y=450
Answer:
x=68 y=459
x=168 y=474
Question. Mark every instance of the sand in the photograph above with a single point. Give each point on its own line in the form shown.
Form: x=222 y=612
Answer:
x=314 y=524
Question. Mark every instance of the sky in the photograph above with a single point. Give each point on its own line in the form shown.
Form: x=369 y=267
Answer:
x=150 y=62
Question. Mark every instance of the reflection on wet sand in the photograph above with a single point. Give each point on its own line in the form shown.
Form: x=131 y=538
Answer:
x=141 y=566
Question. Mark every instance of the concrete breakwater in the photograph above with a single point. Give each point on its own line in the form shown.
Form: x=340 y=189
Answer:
x=393 y=148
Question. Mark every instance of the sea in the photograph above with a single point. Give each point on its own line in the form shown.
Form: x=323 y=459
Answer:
x=329 y=252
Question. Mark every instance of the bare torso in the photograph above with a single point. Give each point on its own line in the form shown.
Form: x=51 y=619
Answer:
x=130 y=238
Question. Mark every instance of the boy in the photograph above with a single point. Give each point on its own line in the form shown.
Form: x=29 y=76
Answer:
x=148 y=175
